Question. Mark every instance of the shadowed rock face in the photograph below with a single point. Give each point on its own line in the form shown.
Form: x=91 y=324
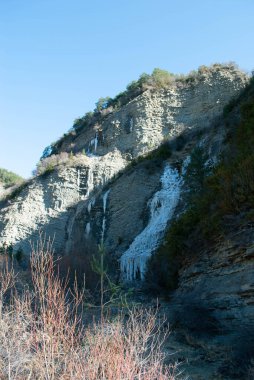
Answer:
x=222 y=279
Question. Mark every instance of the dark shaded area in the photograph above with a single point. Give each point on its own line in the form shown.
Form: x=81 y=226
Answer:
x=76 y=266
x=194 y=317
x=241 y=361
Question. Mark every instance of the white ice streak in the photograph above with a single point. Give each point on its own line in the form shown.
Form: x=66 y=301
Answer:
x=104 y=200
x=91 y=203
x=88 y=228
x=90 y=183
x=94 y=141
x=78 y=179
x=162 y=206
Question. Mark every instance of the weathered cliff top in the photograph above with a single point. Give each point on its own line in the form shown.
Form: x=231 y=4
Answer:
x=154 y=112
x=208 y=85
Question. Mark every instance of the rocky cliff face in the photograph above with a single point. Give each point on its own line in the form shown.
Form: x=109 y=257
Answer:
x=124 y=193
x=221 y=278
x=70 y=203
x=48 y=202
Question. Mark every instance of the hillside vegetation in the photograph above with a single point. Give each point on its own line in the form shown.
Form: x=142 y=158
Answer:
x=215 y=195
x=8 y=178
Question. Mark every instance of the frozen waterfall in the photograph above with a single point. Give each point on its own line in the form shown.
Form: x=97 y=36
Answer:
x=162 y=207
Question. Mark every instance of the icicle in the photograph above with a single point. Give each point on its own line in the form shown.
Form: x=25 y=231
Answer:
x=103 y=229
x=162 y=207
x=131 y=124
x=88 y=228
x=78 y=180
x=104 y=200
x=89 y=182
x=96 y=141
x=90 y=204
x=185 y=165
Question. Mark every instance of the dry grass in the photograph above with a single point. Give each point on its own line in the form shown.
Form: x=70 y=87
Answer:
x=42 y=335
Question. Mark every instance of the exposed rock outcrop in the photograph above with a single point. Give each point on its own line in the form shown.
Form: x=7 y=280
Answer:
x=48 y=202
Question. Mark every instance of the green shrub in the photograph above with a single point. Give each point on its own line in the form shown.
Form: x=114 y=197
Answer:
x=9 y=178
x=161 y=78
x=102 y=104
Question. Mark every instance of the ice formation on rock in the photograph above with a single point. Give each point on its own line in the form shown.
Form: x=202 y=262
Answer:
x=94 y=141
x=104 y=200
x=88 y=228
x=89 y=182
x=78 y=179
x=91 y=203
x=162 y=206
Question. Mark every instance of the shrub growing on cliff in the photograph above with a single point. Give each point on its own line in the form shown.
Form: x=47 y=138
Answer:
x=48 y=164
x=8 y=178
x=161 y=78
x=102 y=103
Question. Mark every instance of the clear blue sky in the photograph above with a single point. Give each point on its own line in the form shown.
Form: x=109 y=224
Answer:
x=57 y=57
